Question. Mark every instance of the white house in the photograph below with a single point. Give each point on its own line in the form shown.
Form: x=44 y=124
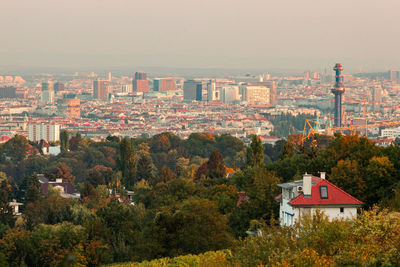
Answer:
x=311 y=194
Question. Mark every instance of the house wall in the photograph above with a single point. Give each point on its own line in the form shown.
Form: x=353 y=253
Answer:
x=330 y=212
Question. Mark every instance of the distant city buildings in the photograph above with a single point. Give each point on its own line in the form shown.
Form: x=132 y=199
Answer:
x=8 y=92
x=70 y=107
x=126 y=88
x=164 y=84
x=230 y=94
x=255 y=94
x=59 y=86
x=192 y=90
x=47 y=94
x=100 y=90
x=394 y=75
x=140 y=82
x=47 y=132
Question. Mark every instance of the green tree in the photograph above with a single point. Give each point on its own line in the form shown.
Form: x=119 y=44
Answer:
x=255 y=153
x=6 y=211
x=193 y=226
x=32 y=189
x=145 y=169
x=348 y=175
x=127 y=163
x=64 y=141
x=380 y=180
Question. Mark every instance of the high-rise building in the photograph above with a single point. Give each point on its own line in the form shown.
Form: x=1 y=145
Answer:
x=140 y=82
x=273 y=91
x=230 y=94
x=47 y=95
x=59 y=86
x=255 y=94
x=70 y=107
x=212 y=93
x=8 y=92
x=394 y=75
x=47 y=132
x=377 y=97
x=100 y=90
x=164 y=84
x=189 y=89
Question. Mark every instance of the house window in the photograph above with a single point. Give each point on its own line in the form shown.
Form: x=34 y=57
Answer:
x=323 y=191
x=341 y=210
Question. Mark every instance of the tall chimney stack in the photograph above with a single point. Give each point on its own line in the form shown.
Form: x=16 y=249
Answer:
x=322 y=175
x=307 y=183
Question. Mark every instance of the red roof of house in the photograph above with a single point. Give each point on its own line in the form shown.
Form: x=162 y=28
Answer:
x=336 y=196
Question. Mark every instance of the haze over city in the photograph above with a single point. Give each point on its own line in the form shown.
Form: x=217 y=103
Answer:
x=255 y=34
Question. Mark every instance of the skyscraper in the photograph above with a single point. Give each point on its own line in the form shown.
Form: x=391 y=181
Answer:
x=164 y=84
x=8 y=92
x=377 y=97
x=59 y=86
x=100 y=90
x=140 y=82
x=190 y=88
x=47 y=95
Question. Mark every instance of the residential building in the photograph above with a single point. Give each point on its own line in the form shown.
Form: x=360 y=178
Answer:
x=47 y=132
x=100 y=90
x=164 y=84
x=306 y=196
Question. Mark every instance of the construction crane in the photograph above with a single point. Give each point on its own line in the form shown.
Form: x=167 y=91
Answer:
x=309 y=131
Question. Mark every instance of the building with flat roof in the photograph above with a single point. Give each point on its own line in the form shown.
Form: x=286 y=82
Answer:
x=100 y=90
x=255 y=94
x=8 y=92
x=164 y=84
x=140 y=82
x=47 y=132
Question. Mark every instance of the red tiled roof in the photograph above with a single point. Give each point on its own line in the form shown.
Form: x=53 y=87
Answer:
x=336 y=196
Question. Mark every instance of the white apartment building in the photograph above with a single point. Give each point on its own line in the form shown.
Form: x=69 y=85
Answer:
x=391 y=133
x=47 y=132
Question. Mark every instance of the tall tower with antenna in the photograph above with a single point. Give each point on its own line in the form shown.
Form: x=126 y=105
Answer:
x=338 y=91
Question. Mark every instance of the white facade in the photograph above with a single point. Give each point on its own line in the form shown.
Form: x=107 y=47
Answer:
x=47 y=132
x=47 y=97
x=229 y=94
x=390 y=133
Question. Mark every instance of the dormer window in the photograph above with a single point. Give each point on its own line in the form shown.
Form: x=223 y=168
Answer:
x=323 y=189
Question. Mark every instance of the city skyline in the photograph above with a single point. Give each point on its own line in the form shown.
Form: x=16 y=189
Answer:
x=214 y=34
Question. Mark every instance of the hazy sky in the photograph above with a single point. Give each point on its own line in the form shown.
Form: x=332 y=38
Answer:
x=296 y=34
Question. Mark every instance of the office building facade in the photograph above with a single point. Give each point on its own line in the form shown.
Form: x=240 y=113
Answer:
x=100 y=90
x=47 y=95
x=8 y=92
x=164 y=84
x=140 y=82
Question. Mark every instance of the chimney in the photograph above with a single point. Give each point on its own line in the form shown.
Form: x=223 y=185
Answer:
x=307 y=183
x=322 y=174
